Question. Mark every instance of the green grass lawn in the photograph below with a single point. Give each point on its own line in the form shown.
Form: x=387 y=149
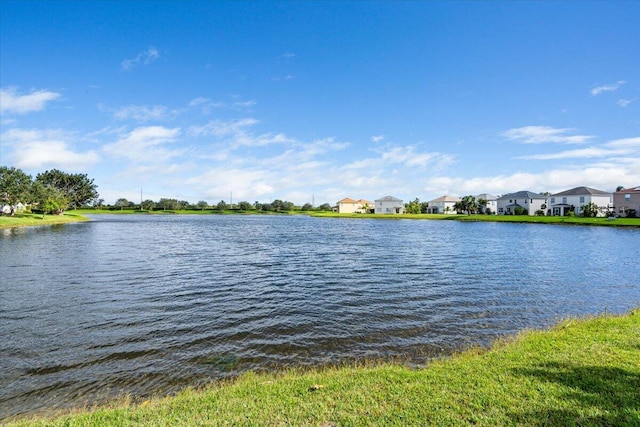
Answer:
x=30 y=219
x=625 y=222
x=579 y=373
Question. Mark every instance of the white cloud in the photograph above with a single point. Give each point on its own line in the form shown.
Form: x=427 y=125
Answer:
x=544 y=134
x=377 y=138
x=13 y=102
x=144 y=113
x=601 y=176
x=145 y=144
x=220 y=128
x=618 y=147
x=145 y=57
x=41 y=149
x=624 y=102
x=607 y=88
x=624 y=142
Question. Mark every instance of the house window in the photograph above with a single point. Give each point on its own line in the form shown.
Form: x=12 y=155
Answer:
x=526 y=201
x=510 y=201
x=581 y=199
x=627 y=197
x=553 y=200
x=564 y=200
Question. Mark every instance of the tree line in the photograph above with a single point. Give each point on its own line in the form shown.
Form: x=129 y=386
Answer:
x=175 y=204
x=51 y=192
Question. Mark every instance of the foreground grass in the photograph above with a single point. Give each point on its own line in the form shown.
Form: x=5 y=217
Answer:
x=31 y=220
x=582 y=373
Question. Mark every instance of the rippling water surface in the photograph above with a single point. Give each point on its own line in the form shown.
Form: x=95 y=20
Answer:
x=151 y=304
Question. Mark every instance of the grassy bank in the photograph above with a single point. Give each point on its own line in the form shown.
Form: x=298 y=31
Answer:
x=619 y=222
x=582 y=372
x=31 y=220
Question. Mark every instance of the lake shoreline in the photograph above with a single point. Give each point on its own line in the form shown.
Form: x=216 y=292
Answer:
x=580 y=369
x=34 y=220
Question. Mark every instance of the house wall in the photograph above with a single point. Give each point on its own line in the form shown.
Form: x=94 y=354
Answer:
x=622 y=204
x=388 y=207
x=349 y=207
x=580 y=200
x=531 y=205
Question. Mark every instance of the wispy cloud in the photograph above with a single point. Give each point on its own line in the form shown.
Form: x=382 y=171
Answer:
x=144 y=113
x=13 y=102
x=145 y=58
x=545 y=134
x=607 y=88
x=206 y=104
x=220 y=128
x=145 y=144
x=40 y=149
x=624 y=102
x=615 y=148
x=377 y=138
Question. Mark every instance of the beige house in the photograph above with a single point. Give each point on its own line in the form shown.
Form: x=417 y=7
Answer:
x=442 y=205
x=348 y=205
x=626 y=200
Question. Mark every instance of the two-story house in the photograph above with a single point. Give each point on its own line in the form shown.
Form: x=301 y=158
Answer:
x=491 y=205
x=529 y=201
x=442 y=205
x=348 y=205
x=574 y=199
x=389 y=205
x=627 y=200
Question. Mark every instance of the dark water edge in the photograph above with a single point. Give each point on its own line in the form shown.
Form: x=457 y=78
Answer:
x=145 y=305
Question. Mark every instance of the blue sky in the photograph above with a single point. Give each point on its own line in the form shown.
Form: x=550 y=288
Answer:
x=305 y=101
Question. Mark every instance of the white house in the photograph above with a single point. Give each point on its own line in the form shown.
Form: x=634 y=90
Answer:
x=348 y=205
x=527 y=200
x=492 y=202
x=442 y=204
x=573 y=200
x=389 y=205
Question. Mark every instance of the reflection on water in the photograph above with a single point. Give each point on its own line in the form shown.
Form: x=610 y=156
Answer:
x=151 y=304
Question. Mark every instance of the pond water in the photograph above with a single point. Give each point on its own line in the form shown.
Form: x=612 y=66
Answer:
x=146 y=305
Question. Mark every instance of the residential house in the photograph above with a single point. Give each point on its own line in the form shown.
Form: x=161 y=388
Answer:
x=348 y=205
x=492 y=203
x=442 y=205
x=527 y=200
x=573 y=200
x=627 y=200
x=389 y=205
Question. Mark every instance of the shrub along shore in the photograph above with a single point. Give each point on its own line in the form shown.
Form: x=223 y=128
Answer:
x=581 y=372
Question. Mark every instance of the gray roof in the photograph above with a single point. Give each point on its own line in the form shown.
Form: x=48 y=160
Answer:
x=522 y=195
x=580 y=191
x=388 y=199
x=486 y=196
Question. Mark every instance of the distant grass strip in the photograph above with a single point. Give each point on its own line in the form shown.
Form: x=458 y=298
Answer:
x=624 y=222
x=579 y=373
x=31 y=220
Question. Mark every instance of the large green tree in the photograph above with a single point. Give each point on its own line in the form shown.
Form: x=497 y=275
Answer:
x=77 y=188
x=15 y=186
x=48 y=199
